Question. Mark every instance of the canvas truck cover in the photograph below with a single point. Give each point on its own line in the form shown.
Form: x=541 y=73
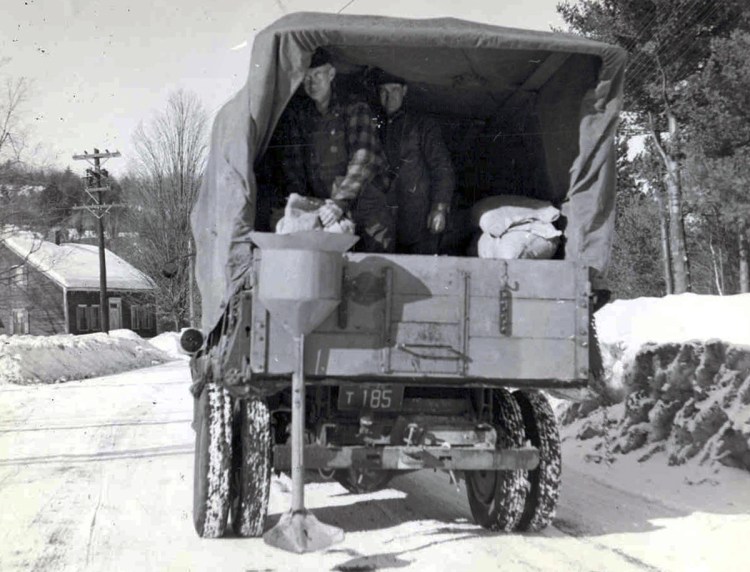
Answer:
x=467 y=68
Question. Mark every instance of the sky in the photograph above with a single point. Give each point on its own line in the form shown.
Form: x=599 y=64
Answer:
x=99 y=67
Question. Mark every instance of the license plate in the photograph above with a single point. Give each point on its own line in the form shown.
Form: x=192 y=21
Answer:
x=373 y=397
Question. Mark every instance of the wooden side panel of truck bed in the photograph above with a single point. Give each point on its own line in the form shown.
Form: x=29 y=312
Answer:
x=442 y=317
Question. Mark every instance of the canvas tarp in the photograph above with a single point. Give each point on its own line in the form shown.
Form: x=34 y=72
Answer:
x=468 y=68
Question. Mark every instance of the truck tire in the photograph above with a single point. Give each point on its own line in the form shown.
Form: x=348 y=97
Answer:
x=251 y=467
x=213 y=441
x=542 y=431
x=497 y=498
x=363 y=481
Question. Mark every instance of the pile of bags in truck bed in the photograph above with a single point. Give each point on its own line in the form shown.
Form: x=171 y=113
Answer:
x=515 y=227
x=512 y=226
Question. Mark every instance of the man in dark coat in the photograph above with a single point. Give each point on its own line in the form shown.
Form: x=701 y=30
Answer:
x=332 y=151
x=422 y=174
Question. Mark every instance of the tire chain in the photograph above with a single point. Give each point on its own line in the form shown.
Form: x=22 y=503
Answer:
x=542 y=430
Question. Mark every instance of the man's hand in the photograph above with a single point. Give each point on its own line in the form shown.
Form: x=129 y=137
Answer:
x=436 y=218
x=330 y=213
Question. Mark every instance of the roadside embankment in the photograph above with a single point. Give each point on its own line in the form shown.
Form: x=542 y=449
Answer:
x=59 y=358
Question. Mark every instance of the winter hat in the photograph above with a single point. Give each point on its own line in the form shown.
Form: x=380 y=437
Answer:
x=320 y=57
x=381 y=76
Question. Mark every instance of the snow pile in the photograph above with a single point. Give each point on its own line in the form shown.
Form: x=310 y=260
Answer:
x=125 y=334
x=53 y=359
x=624 y=326
x=686 y=396
x=677 y=318
x=690 y=400
x=169 y=343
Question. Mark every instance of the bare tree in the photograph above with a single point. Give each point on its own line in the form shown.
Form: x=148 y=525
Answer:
x=160 y=190
x=15 y=93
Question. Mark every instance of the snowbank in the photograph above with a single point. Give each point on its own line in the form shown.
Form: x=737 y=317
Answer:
x=680 y=367
x=53 y=359
x=624 y=326
x=678 y=318
x=169 y=343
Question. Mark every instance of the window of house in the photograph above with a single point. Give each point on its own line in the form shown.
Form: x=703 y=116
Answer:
x=94 y=318
x=20 y=321
x=150 y=317
x=135 y=317
x=141 y=317
x=82 y=318
x=21 y=276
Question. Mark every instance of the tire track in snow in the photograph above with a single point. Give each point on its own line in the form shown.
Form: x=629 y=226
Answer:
x=572 y=531
x=429 y=496
x=64 y=507
x=93 y=522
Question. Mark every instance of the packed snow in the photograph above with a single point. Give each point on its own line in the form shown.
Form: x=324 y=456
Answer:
x=624 y=326
x=64 y=357
x=677 y=384
x=676 y=318
x=169 y=343
x=96 y=474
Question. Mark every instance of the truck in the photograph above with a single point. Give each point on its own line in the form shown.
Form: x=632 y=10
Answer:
x=424 y=362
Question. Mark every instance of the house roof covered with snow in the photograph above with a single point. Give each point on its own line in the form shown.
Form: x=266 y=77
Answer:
x=76 y=266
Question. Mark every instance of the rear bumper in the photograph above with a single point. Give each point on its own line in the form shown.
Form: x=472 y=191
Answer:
x=265 y=386
x=410 y=458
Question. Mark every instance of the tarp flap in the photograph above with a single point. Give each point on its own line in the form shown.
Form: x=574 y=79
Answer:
x=456 y=67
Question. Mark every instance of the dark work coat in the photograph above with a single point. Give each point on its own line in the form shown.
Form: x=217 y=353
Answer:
x=423 y=171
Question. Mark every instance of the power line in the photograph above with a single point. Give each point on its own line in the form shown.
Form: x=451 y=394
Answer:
x=644 y=64
x=345 y=6
x=682 y=45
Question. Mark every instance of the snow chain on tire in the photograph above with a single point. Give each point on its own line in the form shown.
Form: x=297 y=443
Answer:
x=213 y=448
x=501 y=508
x=542 y=431
x=251 y=468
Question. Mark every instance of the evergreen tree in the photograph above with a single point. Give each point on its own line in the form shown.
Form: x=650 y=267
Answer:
x=668 y=41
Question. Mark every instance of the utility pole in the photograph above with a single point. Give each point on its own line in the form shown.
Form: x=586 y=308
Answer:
x=95 y=188
x=191 y=279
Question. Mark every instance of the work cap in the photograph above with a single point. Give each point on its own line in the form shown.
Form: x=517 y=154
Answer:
x=382 y=76
x=320 y=57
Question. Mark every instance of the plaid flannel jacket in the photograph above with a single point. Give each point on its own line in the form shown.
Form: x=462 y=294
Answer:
x=302 y=168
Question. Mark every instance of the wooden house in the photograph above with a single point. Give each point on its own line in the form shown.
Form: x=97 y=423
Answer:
x=48 y=288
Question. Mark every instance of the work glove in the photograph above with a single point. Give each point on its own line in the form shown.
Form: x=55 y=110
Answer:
x=330 y=213
x=436 y=218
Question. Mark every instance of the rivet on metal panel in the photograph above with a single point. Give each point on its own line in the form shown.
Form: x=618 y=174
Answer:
x=584 y=343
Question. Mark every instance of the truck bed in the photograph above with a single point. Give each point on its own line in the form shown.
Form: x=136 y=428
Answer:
x=435 y=320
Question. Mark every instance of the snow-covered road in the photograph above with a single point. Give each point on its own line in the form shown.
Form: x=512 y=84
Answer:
x=97 y=475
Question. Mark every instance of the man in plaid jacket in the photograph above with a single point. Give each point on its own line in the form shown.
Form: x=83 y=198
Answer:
x=332 y=151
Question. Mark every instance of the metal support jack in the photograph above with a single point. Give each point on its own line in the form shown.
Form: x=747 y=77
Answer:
x=298 y=530
x=300 y=285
